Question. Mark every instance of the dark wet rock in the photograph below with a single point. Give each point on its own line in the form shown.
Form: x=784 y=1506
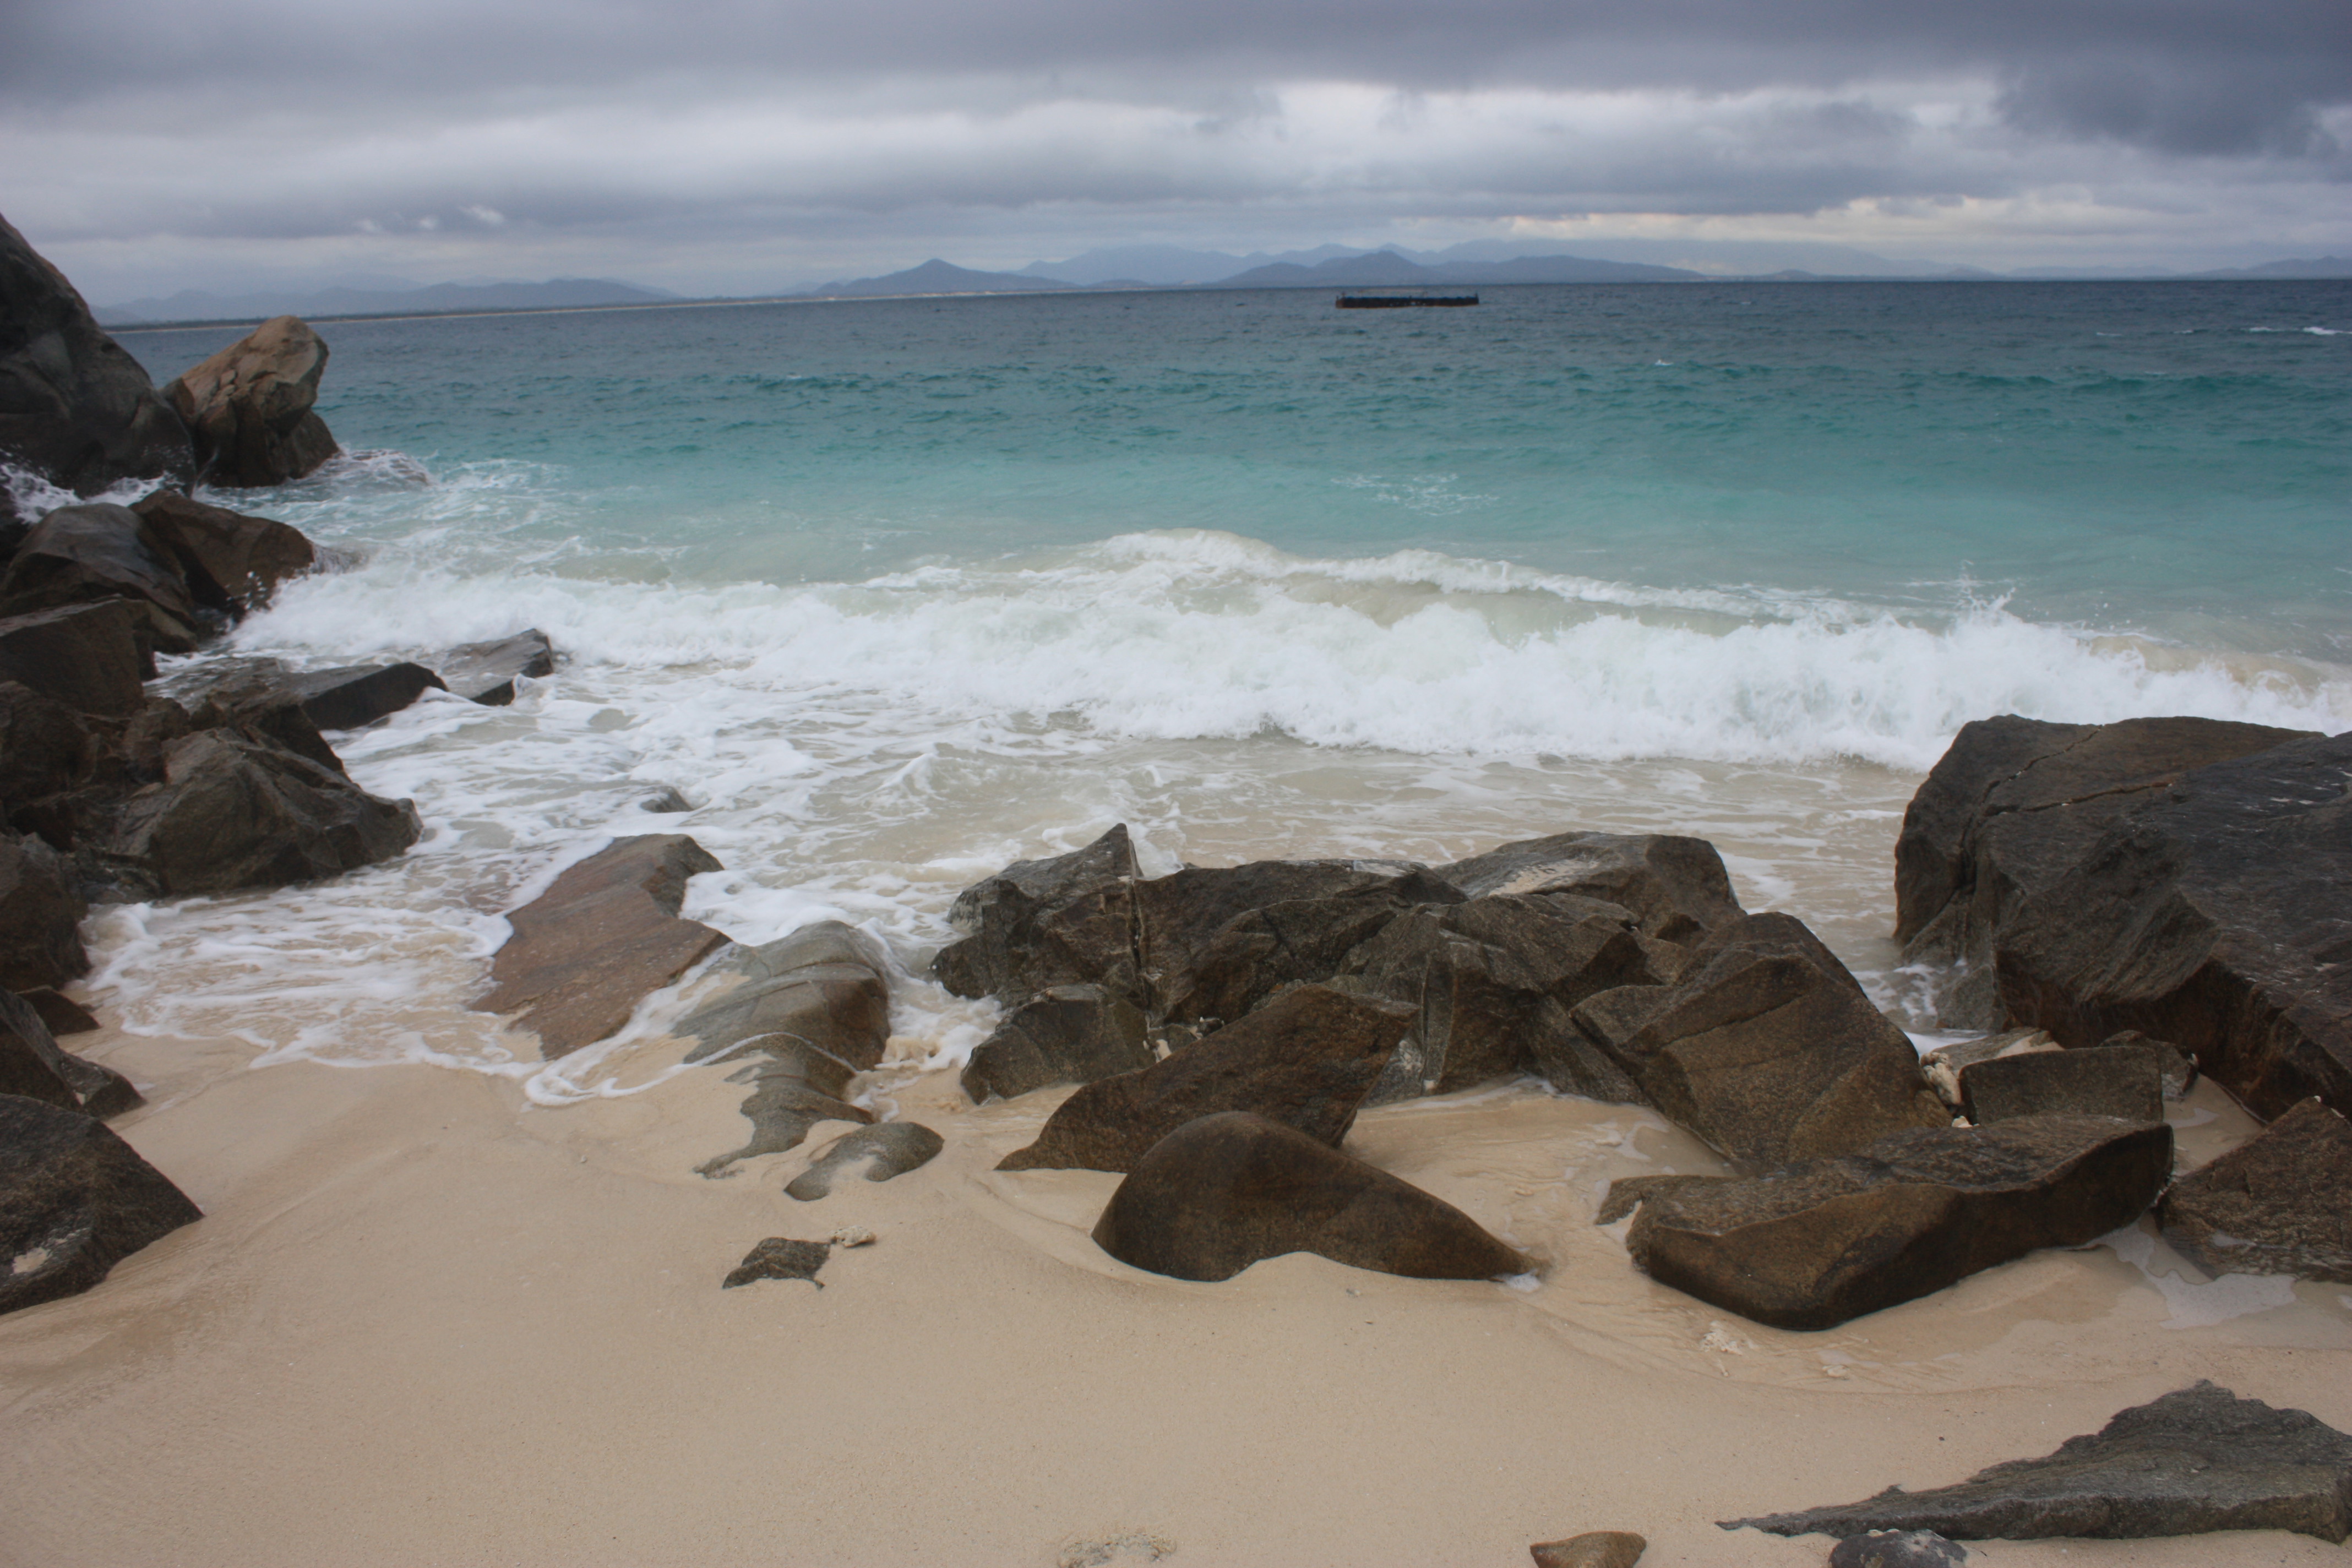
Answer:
x=1768 y=1049
x=1898 y=1548
x=585 y=951
x=1066 y=920
x=664 y=800
x=878 y=1153
x=246 y=558
x=1069 y=1034
x=88 y=657
x=2176 y=1069
x=2123 y=1081
x=1290 y=940
x=264 y=714
x=33 y=1064
x=1943 y=1065
x=2011 y=806
x=1822 y=1241
x=75 y=407
x=40 y=916
x=1675 y=888
x=795 y=1086
x=248 y=408
x=360 y=694
x=1306 y=1058
x=2275 y=1204
x=45 y=747
x=81 y=554
x=781 y=1259
x=2196 y=1460
x=1593 y=1549
x=486 y=672
x=60 y=1012
x=74 y=1200
x=1222 y=1192
x=233 y=813
x=2213 y=915
x=826 y=984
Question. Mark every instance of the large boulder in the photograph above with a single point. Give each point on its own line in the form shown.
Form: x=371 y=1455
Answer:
x=233 y=814
x=2011 y=806
x=1825 y=1240
x=2275 y=1204
x=604 y=935
x=1768 y=1049
x=33 y=1066
x=80 y=553
x=1675 y=886
x=1066 y=920
x=75 y=408
x=249 y=407
x=486 y=672
x=1308 y=1058
x=41 y=909
x=2214 y=916
x=825 y=985
x=1068 y=1033
x=74 y=1200
x=1222 y=1192
x=247 y=558
x=89 y=657
x=2196 y=1460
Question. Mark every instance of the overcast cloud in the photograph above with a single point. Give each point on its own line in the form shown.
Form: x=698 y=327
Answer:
x=730 y=146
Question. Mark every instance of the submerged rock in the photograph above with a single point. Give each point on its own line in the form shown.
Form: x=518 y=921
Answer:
x=1824 y=1241
x=826 y=984
x=2274 y=1205
x=780 y=1257
x=486 y=672
x=74 y=1200
x=1308 y=1058
x=360 y=694
x=796 y=1085
x=1222 y=1192
x=584 y=952
x=879 y=1153
x=2194 y=1461
x=1068 y=1033
x=248 y=408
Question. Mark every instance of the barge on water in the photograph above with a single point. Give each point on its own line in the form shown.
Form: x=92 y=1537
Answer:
x=1390 y=299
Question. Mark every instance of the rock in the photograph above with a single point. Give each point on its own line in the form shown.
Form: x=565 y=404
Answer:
x=1676 y=888
x=825 y=985
x=232 y=813
x=74 y=1199
x=664 y=800
x=486 y=672
x=1898 y=1548
x=1943 y=1065
x=1221 y=1191
x=853 y=1236
x=60 y=1012
x=40 y=916
x=891 y=1149
x=1067 y=921
x=1593 y=1549
x=88 y=657
x=2196 y=1461
x=585 y=951
x=32 y=1065
x=247 y=558
x=45 y=747
x=2011 y=806
x=1306 y=1058
x=2275 y=1204
x=1826 y=1240
x=248 y=408
x=1768 y=1050
x=2123 y=1081
x=360 y=694
x=781 y=1259
x=78 y=554
x=797 y=1085
x=1068 y=1033
x=2175 y=1068
x=75 y=408
x=2212 y=916
x=268 y=716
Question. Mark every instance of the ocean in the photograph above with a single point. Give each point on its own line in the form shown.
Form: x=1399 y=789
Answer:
x=895 y=591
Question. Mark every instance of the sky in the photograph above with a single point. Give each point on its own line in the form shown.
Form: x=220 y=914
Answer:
x=737 y=147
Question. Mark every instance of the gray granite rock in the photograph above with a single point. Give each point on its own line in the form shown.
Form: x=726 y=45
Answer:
x=878 y=1153
x=2279 y=1204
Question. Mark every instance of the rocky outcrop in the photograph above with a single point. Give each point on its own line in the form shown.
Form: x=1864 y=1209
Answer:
x=74 y=1200
x=40 y=916
x=1768 y=1049
x=79 y=554
x=248 y=408
x=1069 y=1034
x=2212 y=916
x=89 y=657
x=2123 y=1081
x=2194 y=1461
x=358 y=694
x=1593 y=1549
x=1676 y=888
x=1223 y=1191
x=605 y=933
x=1822 y=1241
x=1067 y=921
x=825 y=985
x=33 y=1066
x=795 y=1086
x=247 y=559
x=878 y=1153
x=486 y=672
x=1307 y=1059
x=75 y=408
x=2274 y=1205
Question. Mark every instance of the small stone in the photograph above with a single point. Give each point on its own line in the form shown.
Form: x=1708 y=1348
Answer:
x=1898 y=1548
x=779 y=1258
x=853 y=1236
x=1593 y=1549
x=1127 y=1546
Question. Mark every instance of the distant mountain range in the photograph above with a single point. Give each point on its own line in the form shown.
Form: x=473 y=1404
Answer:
x=1375 y=269
x=437 y=299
